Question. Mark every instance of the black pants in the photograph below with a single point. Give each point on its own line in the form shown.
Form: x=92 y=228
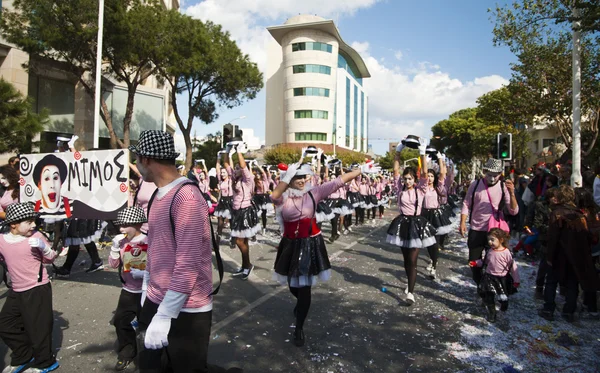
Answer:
x=26 y=322
x=477 y=242
x=263 y=216
x=360 y=215
x=303 y=296
x=127 y=309
x=441 y=240
x=542 y=272
x=334 y=224
x=381 y=208
x=348 y=221
x=74 y=252
x=572 y=289
x=188 y=343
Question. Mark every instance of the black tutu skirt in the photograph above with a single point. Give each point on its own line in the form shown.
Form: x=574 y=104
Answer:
x=301 y=261
x=224 y=207
x=439 y=219
x=501 y=286
x=370 y=201
x=355 y=199
x=411 y=232
x=82 y=231
x=324 y=212
x=342 y=207
x=261 y=201
x=244 y=223
x=384 y=200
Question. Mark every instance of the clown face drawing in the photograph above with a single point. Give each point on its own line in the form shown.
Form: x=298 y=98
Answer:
x=48 y=175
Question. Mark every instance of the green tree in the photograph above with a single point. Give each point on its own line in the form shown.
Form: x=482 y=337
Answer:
x=18 y=123
x=539 y=33
x=64 y=34
x=464 y=136
x=282 y=154
x=208 y=149
x=208 y=69
x=387 y=161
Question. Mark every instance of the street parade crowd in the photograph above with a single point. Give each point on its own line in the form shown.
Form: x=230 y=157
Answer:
x=164 y=240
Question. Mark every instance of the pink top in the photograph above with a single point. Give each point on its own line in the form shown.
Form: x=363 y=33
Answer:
x=242 y=190
x=408 y=198
x=363 y=189
x=499 y=262
x=337 y=193
x=433 y=196
x=296 y=207
x=315 y=180
x=145 y=191
x=354 y=185
x=482 y=209
x=23 y=261
x=225 y=185
x=262 y=187
x=131 y=284
x=7 y=200
x=203 y=185
x=182 y=263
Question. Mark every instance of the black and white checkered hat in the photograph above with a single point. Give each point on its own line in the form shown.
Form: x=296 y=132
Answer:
x=131 y=215
x=493 y=165
x=155 y=144
x=16 y=212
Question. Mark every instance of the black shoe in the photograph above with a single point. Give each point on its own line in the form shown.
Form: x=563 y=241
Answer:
x=232 y=244
x=539 y=293
x=548 y=315
x=238 y=272
x=95 y=267
x=62 y=272
x=122 y=364
x=299 y=338
x=491 y=315
x=246 y=273
x=503 y=306
x=569 y=317
x=253 y=239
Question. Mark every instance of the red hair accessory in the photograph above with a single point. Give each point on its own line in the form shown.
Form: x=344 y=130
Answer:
x=282 y=167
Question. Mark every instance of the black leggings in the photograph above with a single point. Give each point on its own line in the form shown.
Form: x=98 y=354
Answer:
x=381 y=208
x=263 y=216
x=74 y=252
x=433 y=251
x=348 y=221
x=303 y=296
x=410 y=266
x=441 y=240
x=334 y=225
x=360 y=215
x=372 y=211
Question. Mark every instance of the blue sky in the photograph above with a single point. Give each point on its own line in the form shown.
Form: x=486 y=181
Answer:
x=427 y=58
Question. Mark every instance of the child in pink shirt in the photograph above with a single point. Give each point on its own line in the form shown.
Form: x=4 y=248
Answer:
x=26 y=318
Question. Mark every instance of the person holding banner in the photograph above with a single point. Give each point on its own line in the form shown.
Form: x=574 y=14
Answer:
x=176 y=314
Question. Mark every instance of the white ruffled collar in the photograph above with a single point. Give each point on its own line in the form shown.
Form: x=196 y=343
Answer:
x=296 y=193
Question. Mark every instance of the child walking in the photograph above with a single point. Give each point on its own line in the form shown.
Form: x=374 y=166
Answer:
x=128 y=253
x=498 y=264
x=26 y=318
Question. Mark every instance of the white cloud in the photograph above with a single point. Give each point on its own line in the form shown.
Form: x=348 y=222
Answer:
x=398 y=55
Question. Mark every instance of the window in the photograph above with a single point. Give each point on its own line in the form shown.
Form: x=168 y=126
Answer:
x=311 y=136
x=355 y=117
x=347 y=112
x=312 y=46
x=310 y=91
x=316 y=114
x=318 y=69
x=350 y=67
x=547 y=142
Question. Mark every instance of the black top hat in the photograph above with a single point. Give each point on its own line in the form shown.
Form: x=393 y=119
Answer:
x=155 y=144
x=16 y=212
x=49 y=160
x=312 y=150
x=411 y=141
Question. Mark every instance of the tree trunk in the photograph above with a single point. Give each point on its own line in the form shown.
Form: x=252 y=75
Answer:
x=115 y=143
x=128 y=114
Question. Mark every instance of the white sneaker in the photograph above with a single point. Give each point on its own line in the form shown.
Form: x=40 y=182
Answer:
x=350 y=229
x=405 y=290
x=346 y=231
x=64 y=251
x=410 y=298
x=429 y=267
x=432 y=273
x=264 y=232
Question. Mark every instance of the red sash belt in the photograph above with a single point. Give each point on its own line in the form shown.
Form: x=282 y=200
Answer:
x=302 y=228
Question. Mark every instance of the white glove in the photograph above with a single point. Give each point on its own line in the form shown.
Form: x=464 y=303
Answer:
x=157 y=334
x=219 y=153
x=203 y=162
x=71 y=142
x=290 y=173
x=440 y=155
x=137 y=273
x=303 y=153
x=145 y=286
x=39 y=244
x=370 y=168
x=399 y=147
x=232 y=151
x=423 y=142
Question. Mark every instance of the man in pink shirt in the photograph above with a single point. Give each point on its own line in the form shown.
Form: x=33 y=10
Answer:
x=484 y=198
x=176 y=292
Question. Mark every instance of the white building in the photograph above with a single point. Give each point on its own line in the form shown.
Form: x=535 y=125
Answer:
x=315 y=90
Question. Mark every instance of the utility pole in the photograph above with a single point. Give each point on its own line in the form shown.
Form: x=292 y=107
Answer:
x=576 y=170
x=98 y=91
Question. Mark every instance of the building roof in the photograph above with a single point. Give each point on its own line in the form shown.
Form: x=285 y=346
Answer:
x=321 y=24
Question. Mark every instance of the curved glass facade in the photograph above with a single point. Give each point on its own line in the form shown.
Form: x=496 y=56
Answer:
x=319 y=69
x=350 y=68
x=317 y=114
x=312 y=46
x=310 y=91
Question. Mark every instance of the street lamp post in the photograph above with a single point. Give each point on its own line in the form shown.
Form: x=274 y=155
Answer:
x=408 y=160
x=98 y=91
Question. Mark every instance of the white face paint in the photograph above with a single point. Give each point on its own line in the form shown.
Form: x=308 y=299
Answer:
x=50 y=184
x=4 y=181
x=128 y=230
x=409 y=181
x=491 y=178
x=25 y=228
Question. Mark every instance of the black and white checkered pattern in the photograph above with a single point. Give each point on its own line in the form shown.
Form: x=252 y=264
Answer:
x=493 y=165
x=131 y=215
x=20 y=211
x=155 y=144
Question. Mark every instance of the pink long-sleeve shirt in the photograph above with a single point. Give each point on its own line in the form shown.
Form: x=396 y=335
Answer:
x=144 y=194
x=203 y=185
x=225 y=184
x=482 y=209
x=408 y=198
x=363 y=188
x=132 y=285
x=499 y=262
x=242 y=190
x=182 y=263
x=7 y=200
x=262 y=186
x=432 y=198
x=23 y=261
x=301 y=207
x=354 y=185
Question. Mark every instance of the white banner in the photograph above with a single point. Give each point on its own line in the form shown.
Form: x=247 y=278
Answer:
x=87 y=185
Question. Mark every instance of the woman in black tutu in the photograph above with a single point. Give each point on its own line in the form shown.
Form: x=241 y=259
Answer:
x=434 y=212
x=301 y=255
x=261 y=198
x=410 y=230
x=223 y=209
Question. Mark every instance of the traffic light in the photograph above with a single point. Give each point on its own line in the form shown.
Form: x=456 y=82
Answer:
x=227 y=135
x=505 y=146
x=237 y=134
x=495 y=149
